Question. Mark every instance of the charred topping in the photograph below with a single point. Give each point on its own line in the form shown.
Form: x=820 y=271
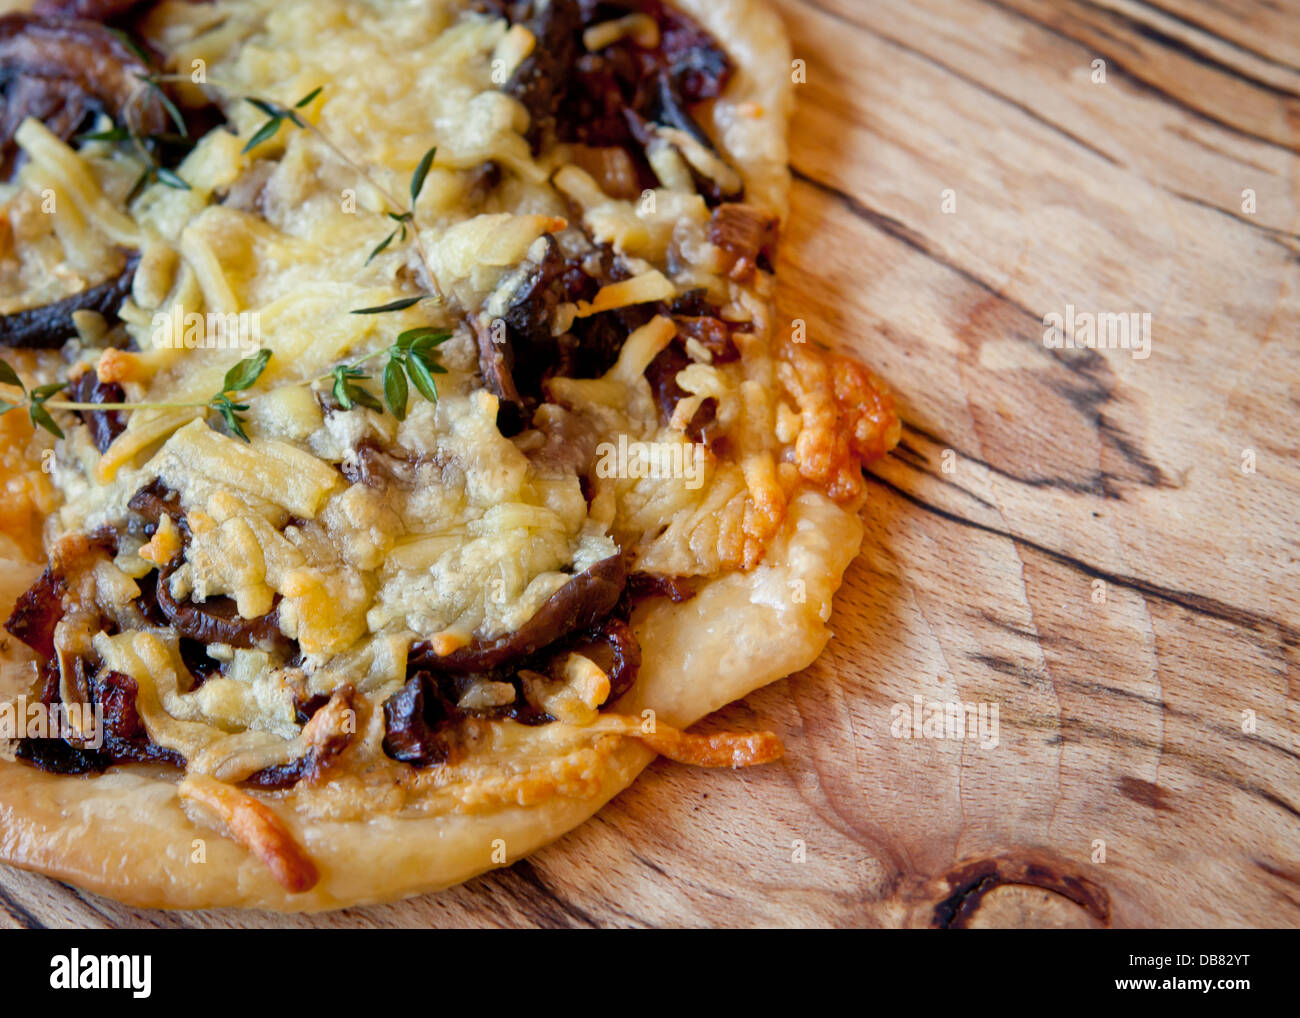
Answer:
x=310 y=765
x=416 y=719
x=105 y=425
x=614 y=649
x=124 y=738
x=37 y=612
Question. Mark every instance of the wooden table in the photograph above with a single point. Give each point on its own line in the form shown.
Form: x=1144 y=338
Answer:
x=1101 y=545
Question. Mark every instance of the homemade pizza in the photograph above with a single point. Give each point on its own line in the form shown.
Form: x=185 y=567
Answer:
x=399 y=446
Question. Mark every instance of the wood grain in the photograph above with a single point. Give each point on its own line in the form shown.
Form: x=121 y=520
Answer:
x=1123 y=722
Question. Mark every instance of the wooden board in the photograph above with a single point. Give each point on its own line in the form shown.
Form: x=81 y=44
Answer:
x=1102 y=546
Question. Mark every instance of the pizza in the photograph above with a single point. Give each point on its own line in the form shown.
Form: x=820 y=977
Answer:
x=400 y=447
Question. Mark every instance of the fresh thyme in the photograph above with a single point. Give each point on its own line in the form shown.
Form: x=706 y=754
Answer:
x=276 y=115
x=36 y=399
x=148 y=146
x=238 y=379
x=413 y=356
x=402 y=218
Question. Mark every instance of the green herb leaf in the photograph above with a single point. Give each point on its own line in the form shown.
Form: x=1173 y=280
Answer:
x=171 y=178
x=423 y=378
x=111 y=134
x=234 y=423
x=418 y=335
x=141 y=182
x=172 y=111
x=9 y=376
x=306 y=100
x=423 y=347
x=381 y=246
x=399 y=217
x=6 y=406
x=43 y=392
x=363 y=397
x=264 y=133
x=341 y=393
x=244 y=374
x=395 y=391
x=42 y=419
x=270 y=109
x=421 y=171
x=167 y=104
x=397 y=305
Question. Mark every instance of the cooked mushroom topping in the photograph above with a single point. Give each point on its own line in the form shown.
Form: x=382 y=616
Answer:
x=614 y=650
x=605 y=98
x=124 y=740
x=105 y=425
x=581 y=603
x=91 y=10
x=47 y=326
x=327 y=734
x=414 y=720
x=62 y=71
x=216 y=620
x=747 y=235
x=37 y=612
x=661 y=373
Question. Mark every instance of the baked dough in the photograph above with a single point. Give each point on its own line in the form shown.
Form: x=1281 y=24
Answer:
x=131 y=834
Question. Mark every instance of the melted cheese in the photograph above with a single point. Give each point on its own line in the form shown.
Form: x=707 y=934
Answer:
x=476 y=535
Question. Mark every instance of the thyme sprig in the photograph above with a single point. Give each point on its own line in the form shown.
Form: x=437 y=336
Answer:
x=413 y=356
x=146 y=146
x=240 y=378
x=403 y=218
x=276 y=115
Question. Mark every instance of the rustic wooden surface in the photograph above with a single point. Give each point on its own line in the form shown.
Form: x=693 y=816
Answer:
x=1125 y=724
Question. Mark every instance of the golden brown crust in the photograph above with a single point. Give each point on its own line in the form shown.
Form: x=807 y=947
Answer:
x=139 y=836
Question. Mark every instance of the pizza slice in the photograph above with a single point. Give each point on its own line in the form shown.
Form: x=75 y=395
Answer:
x=402 y=450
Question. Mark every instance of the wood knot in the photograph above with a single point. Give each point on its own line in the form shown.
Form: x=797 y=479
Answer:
x=965 y=887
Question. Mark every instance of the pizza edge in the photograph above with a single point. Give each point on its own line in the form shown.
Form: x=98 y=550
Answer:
x=127 y=834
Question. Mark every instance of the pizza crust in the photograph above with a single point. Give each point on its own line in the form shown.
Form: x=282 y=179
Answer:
x=126 y=834
x=129 y=834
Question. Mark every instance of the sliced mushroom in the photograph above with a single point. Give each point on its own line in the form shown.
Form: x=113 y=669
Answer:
x=61 y=71
x=105 y=425
x=91 y=10
x=747 y=236
x=415 y=718
x=615 y=651
x=216 y=620
x=542 y=80
x=661 y=373
x=580 y=604
x=37 y=612
x=48 y=326
x=327 y=734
